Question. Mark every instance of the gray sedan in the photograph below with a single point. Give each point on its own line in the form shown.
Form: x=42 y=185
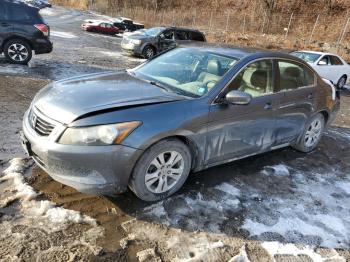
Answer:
x=184 y=111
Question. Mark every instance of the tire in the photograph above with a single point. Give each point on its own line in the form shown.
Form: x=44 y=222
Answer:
x=342 y=81
x=148 y=52
x=311 y=135
x=146 y=170
x=18 y=51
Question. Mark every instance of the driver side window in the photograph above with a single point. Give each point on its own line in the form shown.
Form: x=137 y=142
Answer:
x=256 y=79
x=168 y=34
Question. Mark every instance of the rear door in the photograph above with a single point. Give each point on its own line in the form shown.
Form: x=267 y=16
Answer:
x=5 y=26
x=297 y=83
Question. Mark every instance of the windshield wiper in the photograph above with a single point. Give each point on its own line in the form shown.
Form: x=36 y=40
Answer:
x=160 y=86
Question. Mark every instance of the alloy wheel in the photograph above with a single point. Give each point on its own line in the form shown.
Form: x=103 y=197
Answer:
x=149 y=52
x=18 y=52
x=164 y=172
x=313 y=133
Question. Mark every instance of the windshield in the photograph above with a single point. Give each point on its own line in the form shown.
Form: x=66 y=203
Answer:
x=187 y=71
x=307 y=57
x=153 y=31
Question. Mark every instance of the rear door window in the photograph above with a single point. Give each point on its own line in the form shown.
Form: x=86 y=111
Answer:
x=182 y=35
x=335 y=60
x=196 y=36
x=293 y=76
x=17 y=12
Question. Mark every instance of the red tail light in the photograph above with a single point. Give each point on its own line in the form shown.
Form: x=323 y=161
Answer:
x=43 y=28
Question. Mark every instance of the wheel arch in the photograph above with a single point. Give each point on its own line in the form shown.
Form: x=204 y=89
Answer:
x=325 y=114
x=192 y=146
x=13 y=38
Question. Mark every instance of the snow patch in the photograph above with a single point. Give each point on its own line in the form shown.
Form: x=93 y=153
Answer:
x=276 y=248
x=278 y=170
x=63 y=34
x=345 y=186
x=229 y=189
x=33 y=208
x=48 y=12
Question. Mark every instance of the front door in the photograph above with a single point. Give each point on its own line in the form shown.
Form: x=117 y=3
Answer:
x=166 y=40
x=236 y=131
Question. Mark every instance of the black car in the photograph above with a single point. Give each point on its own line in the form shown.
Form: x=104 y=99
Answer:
x=22 y=31
x=189 y=109
x=127 y=25
x=147 y=43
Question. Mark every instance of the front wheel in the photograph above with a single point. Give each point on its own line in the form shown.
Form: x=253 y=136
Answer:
x=148 y=52
x=18 y=51
x=161 y=171
x=312 y=134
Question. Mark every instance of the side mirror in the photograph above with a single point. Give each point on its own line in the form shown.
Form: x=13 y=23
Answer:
x=322 y=62
x=238 y=98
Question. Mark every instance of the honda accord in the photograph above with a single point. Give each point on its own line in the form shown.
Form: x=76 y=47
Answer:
x=191 y=108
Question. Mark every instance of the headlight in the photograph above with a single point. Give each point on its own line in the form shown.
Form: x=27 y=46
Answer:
x=98 y=135
x=136 y=42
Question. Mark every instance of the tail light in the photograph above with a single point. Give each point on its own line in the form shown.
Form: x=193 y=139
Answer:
x=43 y=28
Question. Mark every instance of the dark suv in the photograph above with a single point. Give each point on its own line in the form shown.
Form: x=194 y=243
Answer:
x=22 y=31
x=149 y=42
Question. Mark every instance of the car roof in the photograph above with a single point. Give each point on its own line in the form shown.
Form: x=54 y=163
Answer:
x=238 y=52
x=315 y=52
x=184 y=29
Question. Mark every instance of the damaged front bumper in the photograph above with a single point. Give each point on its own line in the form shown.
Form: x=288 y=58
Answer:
x=98 y=170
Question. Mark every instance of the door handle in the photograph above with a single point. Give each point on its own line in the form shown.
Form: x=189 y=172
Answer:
x=268 y=106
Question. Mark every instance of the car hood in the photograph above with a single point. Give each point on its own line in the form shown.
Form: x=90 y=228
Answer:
x=64 y=101
x=138 y=36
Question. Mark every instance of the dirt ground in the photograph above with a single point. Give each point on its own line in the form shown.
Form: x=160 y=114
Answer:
x=280 y=206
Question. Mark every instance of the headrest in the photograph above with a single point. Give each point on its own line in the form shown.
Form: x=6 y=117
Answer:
x=214 y=67
x=292 y=72
x=259 y=79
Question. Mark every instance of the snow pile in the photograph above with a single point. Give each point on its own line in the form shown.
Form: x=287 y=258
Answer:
x=31 y=207
x=275 y=248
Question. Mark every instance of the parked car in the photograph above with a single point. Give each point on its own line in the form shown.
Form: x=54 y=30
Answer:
x=149 y=42
x=100 y=27
x=329 y=66
x=22 y=31
x=127 y=25
x=186 y=110
x=38 y=3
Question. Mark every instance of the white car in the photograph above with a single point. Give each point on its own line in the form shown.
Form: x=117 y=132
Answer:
x=328 y=66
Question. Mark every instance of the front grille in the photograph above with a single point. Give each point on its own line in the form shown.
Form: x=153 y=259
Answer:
x=41 y=127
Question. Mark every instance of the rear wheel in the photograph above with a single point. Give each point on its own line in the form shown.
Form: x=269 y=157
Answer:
x=18 y=51
x=161 y=171
x=148 y=52
x=342 y=81
x=312 y=134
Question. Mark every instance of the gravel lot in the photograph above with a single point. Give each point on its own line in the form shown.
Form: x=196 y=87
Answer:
x=282 y=206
